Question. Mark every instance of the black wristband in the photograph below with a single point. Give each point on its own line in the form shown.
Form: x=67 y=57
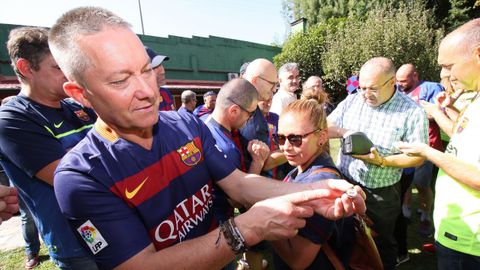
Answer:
x=233 y=237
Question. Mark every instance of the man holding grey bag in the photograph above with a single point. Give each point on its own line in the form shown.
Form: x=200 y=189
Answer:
x=386 y=117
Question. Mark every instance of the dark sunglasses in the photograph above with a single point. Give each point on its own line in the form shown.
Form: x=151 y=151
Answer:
x=293 y=139
x=250 y=114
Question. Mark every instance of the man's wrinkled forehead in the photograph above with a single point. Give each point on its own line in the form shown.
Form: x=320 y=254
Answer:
x=111 y=49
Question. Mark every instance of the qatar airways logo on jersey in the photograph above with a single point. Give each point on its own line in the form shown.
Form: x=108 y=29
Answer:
x=187 y=215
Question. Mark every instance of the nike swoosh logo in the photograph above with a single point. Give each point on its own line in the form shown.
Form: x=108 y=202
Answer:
x=58 y=125
x=135 y=191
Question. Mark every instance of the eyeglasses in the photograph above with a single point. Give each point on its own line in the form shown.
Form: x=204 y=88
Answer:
x=274 y=84
x=293 y=139
x=374 y=90
x=250 y=114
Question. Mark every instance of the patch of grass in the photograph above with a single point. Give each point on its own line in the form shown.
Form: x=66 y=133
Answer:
x=419 y=260
x=15 y=259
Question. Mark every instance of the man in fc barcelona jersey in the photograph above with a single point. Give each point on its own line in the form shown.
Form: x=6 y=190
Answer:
x=138 y=189
x=37 y=128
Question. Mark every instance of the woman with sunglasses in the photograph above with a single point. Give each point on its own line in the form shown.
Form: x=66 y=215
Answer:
x=302 y=136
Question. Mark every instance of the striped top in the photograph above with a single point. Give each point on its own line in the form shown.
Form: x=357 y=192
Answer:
x=398 y=119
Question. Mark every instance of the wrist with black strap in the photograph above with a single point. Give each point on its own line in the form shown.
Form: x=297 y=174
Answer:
x=233 y=236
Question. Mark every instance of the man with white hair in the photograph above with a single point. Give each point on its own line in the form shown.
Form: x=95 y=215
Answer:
x=289 y=82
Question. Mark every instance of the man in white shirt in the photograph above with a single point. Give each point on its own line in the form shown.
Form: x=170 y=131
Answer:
x=289 y=81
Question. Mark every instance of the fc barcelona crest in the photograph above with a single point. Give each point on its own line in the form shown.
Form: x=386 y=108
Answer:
x=82 y=115
x=190 y=154
x=462 y=125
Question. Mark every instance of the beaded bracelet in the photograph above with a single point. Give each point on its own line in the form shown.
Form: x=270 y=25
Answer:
x=233 y=237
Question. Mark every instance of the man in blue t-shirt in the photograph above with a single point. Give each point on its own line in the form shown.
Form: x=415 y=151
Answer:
x=237 y=101
x=37 y=128
x=138 y=189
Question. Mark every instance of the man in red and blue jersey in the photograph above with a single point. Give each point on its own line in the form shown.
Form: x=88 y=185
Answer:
x=138 y=188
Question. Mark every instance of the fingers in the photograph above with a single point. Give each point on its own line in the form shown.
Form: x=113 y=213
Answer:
x=11 y=199
x=360 y=192
x=336 y=185
x=6 y=191
x=306 y=196
x=339 y=211
x=11 y=208
x=302 y=211
x=3 y=205
x=358 y=202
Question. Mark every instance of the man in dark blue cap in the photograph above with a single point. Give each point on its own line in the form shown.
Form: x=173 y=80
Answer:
x=167 y=103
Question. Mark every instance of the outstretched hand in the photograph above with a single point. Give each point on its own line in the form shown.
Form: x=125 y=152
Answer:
x=281 y=217
x=339 y=204
x=413 y=149
x=373 y=157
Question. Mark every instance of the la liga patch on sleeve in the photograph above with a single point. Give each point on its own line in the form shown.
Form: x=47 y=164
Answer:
x=92 y=237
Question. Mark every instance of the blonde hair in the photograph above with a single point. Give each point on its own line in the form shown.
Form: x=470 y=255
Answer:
x=311 y=109
x=311 y=93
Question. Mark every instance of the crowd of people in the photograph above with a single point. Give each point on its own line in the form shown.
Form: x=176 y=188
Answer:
x=114 y=177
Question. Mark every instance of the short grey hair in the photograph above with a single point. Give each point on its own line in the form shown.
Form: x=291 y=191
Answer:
x=237 y=91
x=288 y=67
x=70 y=27
x=187 y=96
x=310 y=79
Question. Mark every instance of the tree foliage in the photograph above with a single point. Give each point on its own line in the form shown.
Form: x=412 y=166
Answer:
x=336 y=49
x=448 y=14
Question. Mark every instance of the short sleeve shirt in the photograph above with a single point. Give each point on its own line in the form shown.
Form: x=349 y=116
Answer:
x=456 y=214
x=398 y=119
x=32 y=136
x=121 y=197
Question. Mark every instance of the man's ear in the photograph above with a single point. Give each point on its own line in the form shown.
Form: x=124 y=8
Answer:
x=232 y=112
x=24 y=67
x=254 y=81
x=476 y=52
x=77 y=92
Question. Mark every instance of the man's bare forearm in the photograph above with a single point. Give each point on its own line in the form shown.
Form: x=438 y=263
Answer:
x=456 y=168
